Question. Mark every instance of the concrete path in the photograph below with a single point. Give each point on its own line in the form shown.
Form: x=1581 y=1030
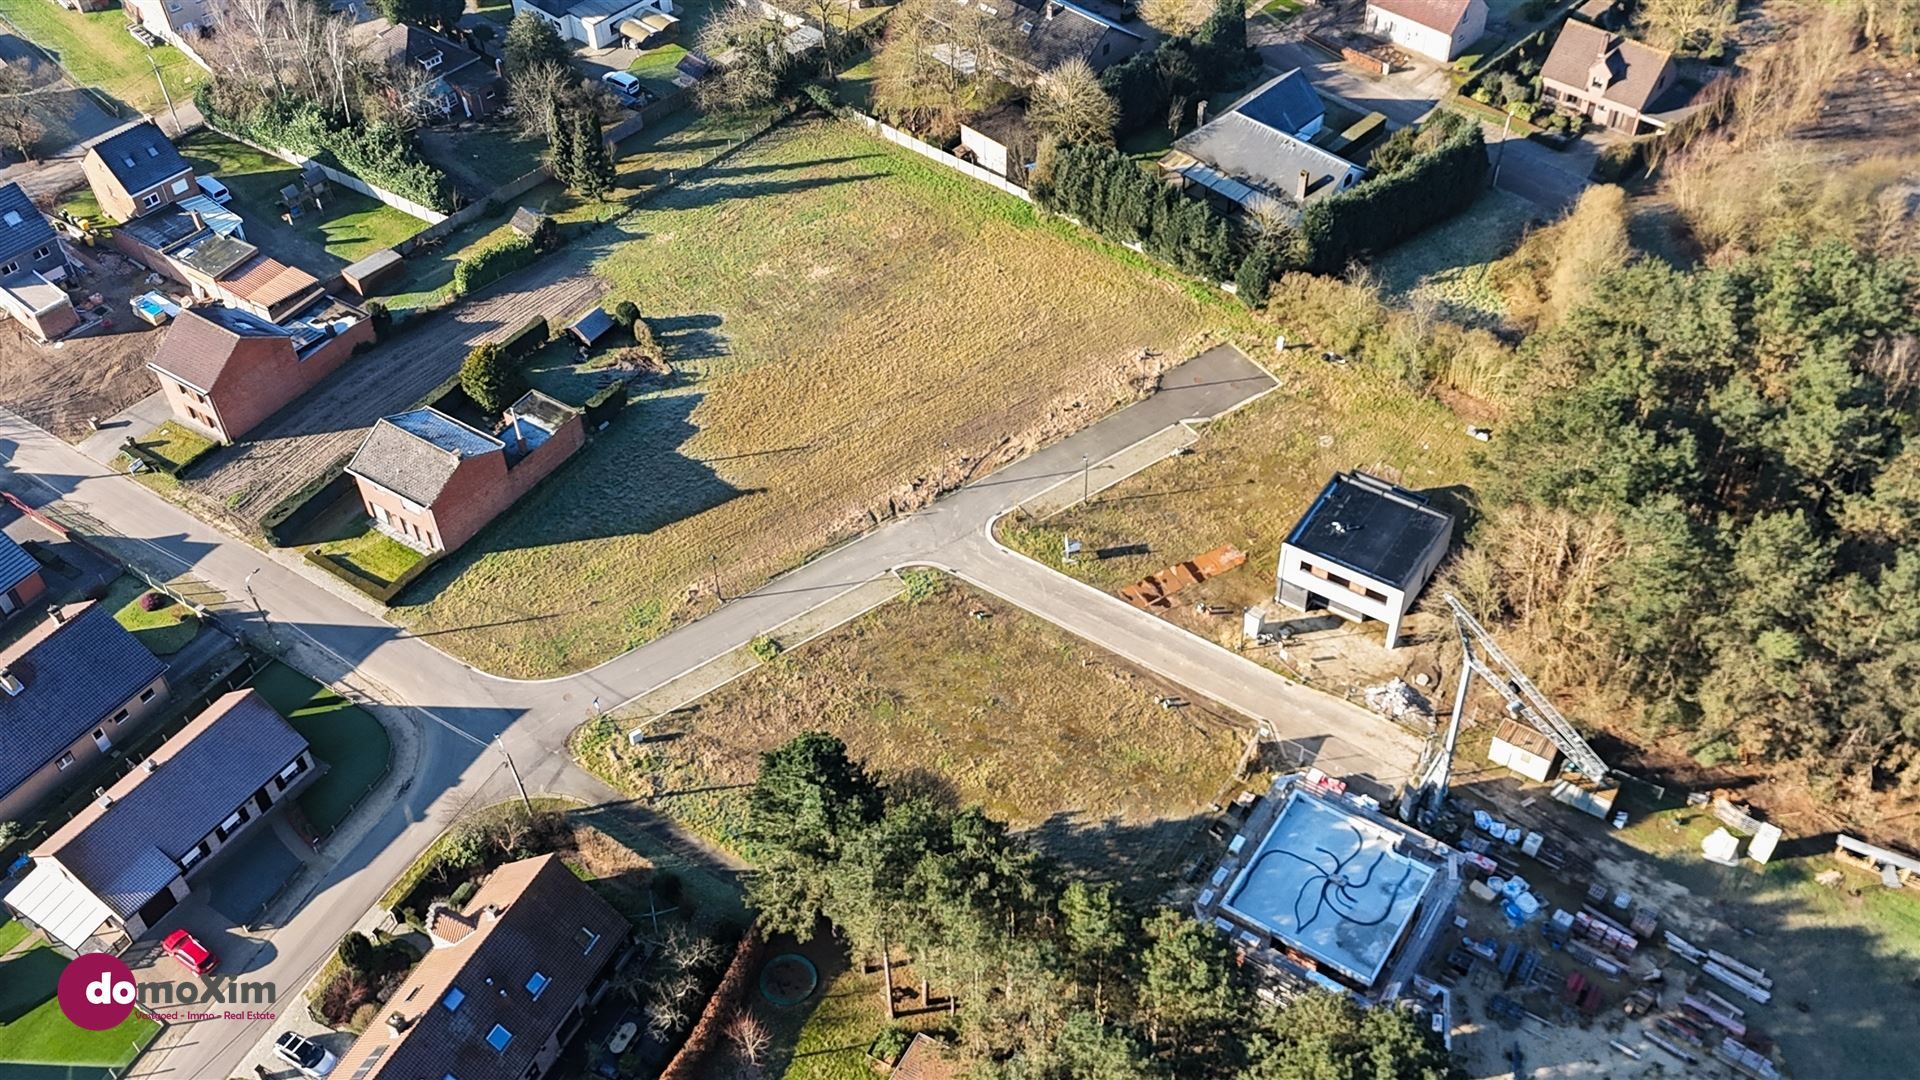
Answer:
x=133 y=421
x=470 y=721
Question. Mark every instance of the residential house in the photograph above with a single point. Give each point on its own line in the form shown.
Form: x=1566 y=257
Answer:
x=505 y=986
x=224 y=370
x=21 y=579
x=459 y=81
x=178 y=21
x=135 y=170
x=1436 y=29
x=1363 y=550
x=1032 y=36
x=593 y=23
x=73 y=686
x=230 y=271
x=33 y=262
x=1256 y=150
x=129 y=857
x=432 y=482
x=1617 y=82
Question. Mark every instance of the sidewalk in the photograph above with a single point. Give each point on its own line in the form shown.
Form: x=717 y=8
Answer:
x=132 y=422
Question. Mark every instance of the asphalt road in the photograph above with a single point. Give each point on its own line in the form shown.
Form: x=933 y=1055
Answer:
x=466 y=710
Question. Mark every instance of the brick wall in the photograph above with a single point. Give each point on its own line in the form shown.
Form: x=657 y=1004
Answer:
x=265 y=375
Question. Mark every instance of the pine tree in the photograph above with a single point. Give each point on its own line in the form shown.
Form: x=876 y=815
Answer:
x=593 y=171
x=1253 y=277
x=560 y=152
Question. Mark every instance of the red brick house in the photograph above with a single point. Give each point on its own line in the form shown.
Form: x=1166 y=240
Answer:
x=432 y=482
x=1617 y=82
x=135 y=170
x=224 y=370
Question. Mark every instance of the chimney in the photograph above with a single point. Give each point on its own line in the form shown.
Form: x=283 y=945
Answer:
x=106 y=801
x=1200 y=114
x=1302 y=186
x=56 y=613
x=10 y=682
x=150 y=764
x=397 y=1025
x=198 y=222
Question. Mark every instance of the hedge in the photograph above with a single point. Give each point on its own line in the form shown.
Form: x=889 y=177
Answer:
x=1211 y=59
x=378 y=153
x=1381 y=212
x=1109 y=193
x=491 y=264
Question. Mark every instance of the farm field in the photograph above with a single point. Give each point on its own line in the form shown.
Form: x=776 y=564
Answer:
x=851 y=330
x=952 y=693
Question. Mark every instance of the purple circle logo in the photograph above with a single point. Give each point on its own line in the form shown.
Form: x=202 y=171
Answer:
x=96 y=991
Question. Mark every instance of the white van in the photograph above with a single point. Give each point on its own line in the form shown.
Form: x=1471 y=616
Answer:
x=214 y=189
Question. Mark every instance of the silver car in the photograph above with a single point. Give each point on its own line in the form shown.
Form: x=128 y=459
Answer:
x=303 y=1053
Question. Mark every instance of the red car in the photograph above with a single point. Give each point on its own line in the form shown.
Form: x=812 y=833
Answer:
x=185 y=948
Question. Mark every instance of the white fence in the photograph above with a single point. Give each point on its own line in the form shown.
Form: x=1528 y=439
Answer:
x=965 y=168
x=345 y=180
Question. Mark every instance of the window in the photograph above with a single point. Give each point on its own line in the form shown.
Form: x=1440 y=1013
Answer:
x=199 y=852
x=64 y=760
x=432 y=60
x=586 y=939
x=536 y=984
x=43 y=251
x=147 y=694
x=119 y=716
x=453 y=999
x=233 y=822
x=151 y=200
x=9 y=268
x=294 y=768
x=180 y=187
x=499 y=1037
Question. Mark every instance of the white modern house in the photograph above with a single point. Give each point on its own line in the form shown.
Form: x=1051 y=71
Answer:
x=1436 y=29
x=593 y=23
x=1363 y=550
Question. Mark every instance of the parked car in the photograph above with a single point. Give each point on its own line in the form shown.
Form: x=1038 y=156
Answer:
x=303 y=1053
x=187 y=949
x=624 y=83
x=213 y=189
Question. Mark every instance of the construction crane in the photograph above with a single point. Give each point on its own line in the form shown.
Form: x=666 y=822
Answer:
x=1481 y=655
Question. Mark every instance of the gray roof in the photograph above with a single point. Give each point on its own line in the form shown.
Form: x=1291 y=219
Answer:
x=414 y=454
x=1285 y=103
x=15 y=563
x=1371 y=527
x=76 y=674
x=128 y=851
x=1238 y=155
x=592 y=325
x=139 y=155
x=22 y=229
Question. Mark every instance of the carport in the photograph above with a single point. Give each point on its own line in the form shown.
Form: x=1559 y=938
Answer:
x=66 y=910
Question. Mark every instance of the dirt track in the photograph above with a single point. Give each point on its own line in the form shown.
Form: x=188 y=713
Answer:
x=300 y=442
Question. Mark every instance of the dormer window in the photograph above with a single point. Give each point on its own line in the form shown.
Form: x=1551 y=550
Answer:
x=453 y=999
x=432 y=60
x=586 y=939
x=536 y=984
x=499 y=1037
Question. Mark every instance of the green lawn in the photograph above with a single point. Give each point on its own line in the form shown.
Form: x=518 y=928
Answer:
x=1280 y=11
x=32 y=1028
x=342 y=734
x=372 y=554
x=856 y=85
x=482 y=160
x=349 y=227
x=176 y=443
x=163 y=632
x=1449 y=263
x=499 y=11
x=96 y=50
x=655 y=67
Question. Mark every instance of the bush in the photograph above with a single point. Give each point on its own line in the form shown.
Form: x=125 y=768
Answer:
x=491 y=379
x=381 y=318
x=626 y=312
x=1386 y=209
x=1255 y=274
x=1210 y=59
x=463 y=893
x=765 y=648
x=922 y=583
x=1111 y=194
x=356 y=951
x=153 y=600
x=378 y=153
x=488 y=265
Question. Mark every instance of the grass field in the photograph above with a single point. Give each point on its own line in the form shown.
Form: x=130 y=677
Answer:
x=32 y=1028
x=177 y=444
x=1003 y=711
x=342 y=734
x=480 y=161
x=96 y=50
x=163 y=632
x=842 y=320
x=349 y=227
x=372 y=553
x=655 y=68
x=1449 y=263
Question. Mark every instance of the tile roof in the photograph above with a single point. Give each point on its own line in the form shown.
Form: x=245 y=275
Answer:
x=528 y=917
x=1632 y=70
x=404 y=43
x=202 y=341
x=15 y=563
x=128 y=851
x=139 y=155
x=1441 y=15
x=414 y=454
x=1284 y=103
x=266 y=281
x=22 y=228
x=1371 y=527
x=76 y=673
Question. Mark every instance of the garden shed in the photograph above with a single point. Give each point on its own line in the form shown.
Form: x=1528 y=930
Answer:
x=592 y=326
x=362 y=276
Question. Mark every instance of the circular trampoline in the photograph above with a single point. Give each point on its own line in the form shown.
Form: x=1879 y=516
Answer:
x=788 y=979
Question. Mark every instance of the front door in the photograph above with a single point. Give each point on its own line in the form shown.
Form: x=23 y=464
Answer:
x=260 y=799
x=156 y=909
x=100 y=740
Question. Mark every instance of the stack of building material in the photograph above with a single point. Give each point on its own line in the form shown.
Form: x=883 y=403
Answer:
x=1746 y=1059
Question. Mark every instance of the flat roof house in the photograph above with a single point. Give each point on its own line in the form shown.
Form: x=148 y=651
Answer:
x=72 y=687
x=109 y=875
x=1436 y=29
x=1617 y=82
x=32 y=264
x=505 y=986
x=135 y=170
x=1363 y=550
x=1255 y=149
x=225 y=370
x=432 y=482
x=593 y=23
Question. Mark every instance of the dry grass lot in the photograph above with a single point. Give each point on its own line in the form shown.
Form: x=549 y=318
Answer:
x=1005 y=711
x=851 y=329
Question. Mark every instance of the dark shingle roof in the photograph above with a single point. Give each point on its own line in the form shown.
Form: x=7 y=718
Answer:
x=22 y=229
x=1632 y=69
x=15 y=563
x=203 y=340
x=1371 y=527
x=1286 y=103
x=414 y=454
x=75 y=673
x=538 y=912
x=139 y=155
x=126 y=852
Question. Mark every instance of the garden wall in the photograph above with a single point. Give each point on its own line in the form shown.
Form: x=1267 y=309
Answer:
x=346 y=180
x=966 y=168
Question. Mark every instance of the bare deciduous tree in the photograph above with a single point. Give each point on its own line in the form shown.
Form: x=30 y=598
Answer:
x=534 y=90
x=1175 y=16
x=1699 y=27
x=341 y=57
x=1069 y=104
x=19 y=129
x=941 y=63
x=755 y=58
x=749 y=1034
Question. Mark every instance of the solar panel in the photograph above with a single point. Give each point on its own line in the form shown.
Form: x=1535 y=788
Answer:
x=373 y=1059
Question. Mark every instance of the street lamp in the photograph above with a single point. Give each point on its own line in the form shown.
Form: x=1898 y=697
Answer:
x=515 y=769
x=1086 y=479
x=247 y=584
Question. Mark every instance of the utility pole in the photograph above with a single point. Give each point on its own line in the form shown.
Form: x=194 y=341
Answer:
x=515 y=769
x=1500 y=158
x=1086 y=479
x=164 y=93
x=247 y=584
x=713 y=574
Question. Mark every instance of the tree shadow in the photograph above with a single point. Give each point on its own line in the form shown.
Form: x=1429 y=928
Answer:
x=27 y=979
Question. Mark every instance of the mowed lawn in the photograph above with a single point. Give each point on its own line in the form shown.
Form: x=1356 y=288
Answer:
x=32 y=1028
x=969 y=699
x=96 y=50
x=351 y=742
x=845 y=321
